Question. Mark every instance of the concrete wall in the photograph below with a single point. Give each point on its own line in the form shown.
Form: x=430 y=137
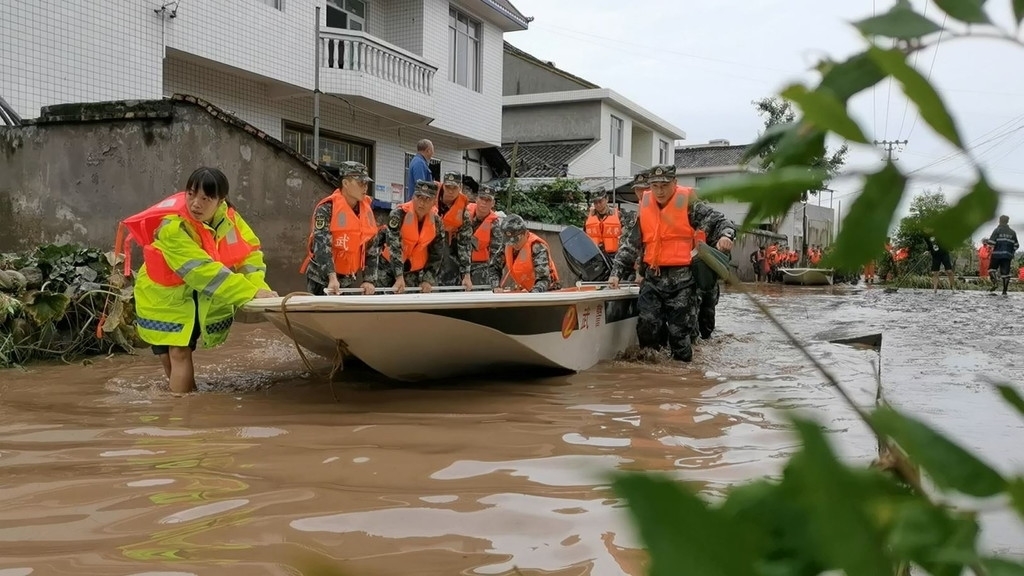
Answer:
x=521 y=76
x=552 y=122
x=72 y=182
x=746 y=243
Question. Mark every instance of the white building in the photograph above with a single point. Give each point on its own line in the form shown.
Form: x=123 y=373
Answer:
x=557 y=124
x=391 y=71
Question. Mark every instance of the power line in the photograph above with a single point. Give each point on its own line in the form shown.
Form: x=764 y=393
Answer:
x=906 y=101
x=930 y=68
x=890 y=145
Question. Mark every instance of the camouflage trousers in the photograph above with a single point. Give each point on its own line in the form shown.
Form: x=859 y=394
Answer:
x=315 y=287
x=705 y=320
x=478 y=272
x=667 y=309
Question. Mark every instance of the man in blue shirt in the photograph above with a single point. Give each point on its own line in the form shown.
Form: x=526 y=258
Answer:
x=419 y=167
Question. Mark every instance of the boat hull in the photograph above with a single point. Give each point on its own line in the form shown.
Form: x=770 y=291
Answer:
x=421 y=337
x=808 y=276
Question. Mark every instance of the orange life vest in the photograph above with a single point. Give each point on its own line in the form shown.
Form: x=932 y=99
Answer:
x=350 y=233
x=415 y=240
x=1020 y=273
x=452 y=219
x=605 y=233
x=666 y=232
x=815 y=256
x=483 y=235
x=520 y=268
x=902 y=254
x=141 y=228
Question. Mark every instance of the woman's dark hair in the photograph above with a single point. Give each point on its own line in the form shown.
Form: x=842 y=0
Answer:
x=210 y=181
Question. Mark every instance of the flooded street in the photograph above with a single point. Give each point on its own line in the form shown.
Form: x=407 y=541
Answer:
x=103 y=472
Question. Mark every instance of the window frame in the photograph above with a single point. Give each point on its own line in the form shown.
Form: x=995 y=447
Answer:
x=616 y=140
x=664 y=147
x=326 y=135
x=473 y=46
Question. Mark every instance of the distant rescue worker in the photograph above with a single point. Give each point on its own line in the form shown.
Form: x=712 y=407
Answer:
x=486 y=234
x=665 y=231
x=708 y=290
x=603 y=225
x=985 y=260
x=526 y=261
x=341 y=229
x=940 y=258
x=452 y=206
x=411 y=246
x=1006 y=245
x=201 y=262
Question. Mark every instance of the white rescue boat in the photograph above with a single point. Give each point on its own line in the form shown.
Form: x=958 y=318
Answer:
x=451 y=332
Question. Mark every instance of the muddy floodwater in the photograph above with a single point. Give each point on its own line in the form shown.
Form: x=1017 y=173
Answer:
x=103 y=472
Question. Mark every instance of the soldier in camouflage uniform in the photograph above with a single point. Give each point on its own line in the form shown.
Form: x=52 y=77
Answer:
x=321 y=276
x=668 y=293
x=452 y=207
x=480 y=212
x=628 y=219
x=386 y=261
x=539 y=275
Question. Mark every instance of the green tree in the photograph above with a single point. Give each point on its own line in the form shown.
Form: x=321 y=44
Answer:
x=560 y=202
x=777 y=113
x=923 y=208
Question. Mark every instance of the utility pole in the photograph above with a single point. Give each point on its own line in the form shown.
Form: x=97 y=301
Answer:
x=889 y=146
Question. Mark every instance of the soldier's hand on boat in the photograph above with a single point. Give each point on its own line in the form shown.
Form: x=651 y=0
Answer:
x=467 y=282
x=724 y=244
x=425 y=287
x=333 y=286
x=368 y=289
x=613 y=282
x=399 y=286
x=261 y=293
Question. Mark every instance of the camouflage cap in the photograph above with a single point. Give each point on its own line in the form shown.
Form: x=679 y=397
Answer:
x=486 y=192
x=597 y=193
x=662 y=173
x=354 y=170
x=426 y=188
x=640 y=180
x=452 y=179
x=513 y=226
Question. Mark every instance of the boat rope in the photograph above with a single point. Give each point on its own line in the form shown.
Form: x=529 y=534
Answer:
x=339 y=351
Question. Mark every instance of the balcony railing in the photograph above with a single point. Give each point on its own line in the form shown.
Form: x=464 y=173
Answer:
x=359 y=52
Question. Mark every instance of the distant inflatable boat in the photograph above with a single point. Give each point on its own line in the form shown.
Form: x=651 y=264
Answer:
x=808 y=276
x=414 y=337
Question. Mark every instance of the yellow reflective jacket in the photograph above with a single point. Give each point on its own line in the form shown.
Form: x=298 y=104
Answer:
x=166 y=315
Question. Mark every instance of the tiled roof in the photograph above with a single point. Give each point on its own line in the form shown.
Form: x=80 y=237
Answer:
x=709 y=156
x=544 y=159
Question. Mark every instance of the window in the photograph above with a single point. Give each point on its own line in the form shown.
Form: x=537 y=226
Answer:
x=273 y=3
x=464 y=49
x=663 y=152
x=346 y=14
x=334 y=148
x=616 y=136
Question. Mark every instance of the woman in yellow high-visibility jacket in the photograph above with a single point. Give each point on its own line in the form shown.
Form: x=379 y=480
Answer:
x=202 y=261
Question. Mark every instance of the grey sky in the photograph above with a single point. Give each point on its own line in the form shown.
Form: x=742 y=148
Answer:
x=700 y=64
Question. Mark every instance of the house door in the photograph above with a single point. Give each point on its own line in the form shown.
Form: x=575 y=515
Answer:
x=346 y=14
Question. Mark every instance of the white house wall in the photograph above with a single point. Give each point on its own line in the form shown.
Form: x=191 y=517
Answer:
x=247 y=99
x=597 y=160
x=84 y=51
x=96 y=50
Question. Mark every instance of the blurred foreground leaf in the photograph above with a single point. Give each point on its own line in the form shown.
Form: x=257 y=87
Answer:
x=901 y=22
x=867 y=223
x=769 y=194
x=956 y=224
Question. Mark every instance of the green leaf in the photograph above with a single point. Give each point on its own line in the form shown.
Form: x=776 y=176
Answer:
x=949 y=465
x=932 y=536
x=851 y=77
x=919 y=91
x=824 y=110
x=840 y=527
x=956 y=224
x=44 y=307
x=901 y=22
x=768 y=140
x=1012 y=396
x=1002 y=567
x=1018 y=10
x=802 y=147
x=867 y=223
x=969 y=11
x=769 y=194
x=682 y=534
x=1016 y=491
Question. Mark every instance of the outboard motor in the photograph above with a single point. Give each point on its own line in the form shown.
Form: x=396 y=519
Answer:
x=583 y=256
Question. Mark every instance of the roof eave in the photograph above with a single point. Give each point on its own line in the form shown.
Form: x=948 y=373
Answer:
x=514 y=16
